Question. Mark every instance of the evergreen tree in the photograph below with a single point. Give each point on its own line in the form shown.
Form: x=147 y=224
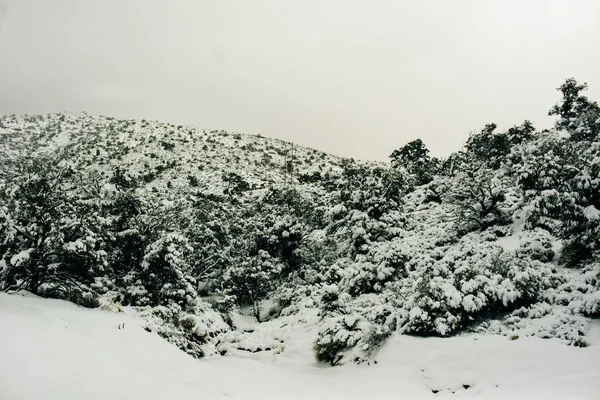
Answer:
x=50 y=245
x=414 y=158
x=164 y=275
x=576 y=113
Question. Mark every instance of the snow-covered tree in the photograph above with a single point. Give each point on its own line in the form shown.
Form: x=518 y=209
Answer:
x=481 y=199
x=50 y=244
x=576 y=113
x=252 y=280
x=164 y=275
x=414 y=158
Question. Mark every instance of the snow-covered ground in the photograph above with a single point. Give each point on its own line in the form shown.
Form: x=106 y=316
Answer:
x=51 y=349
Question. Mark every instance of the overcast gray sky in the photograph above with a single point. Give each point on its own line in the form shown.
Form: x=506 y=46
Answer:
x=354 y=78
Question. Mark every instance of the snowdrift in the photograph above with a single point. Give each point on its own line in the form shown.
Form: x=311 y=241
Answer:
x=51 y=349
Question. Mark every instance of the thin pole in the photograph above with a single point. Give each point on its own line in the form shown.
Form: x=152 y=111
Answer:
x=285 y=164
x=292 y=166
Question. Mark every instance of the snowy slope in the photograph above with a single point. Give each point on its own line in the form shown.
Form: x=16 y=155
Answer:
x=165 y=155
x=51 y=349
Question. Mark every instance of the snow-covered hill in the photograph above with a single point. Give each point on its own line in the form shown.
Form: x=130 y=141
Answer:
x=163 y=154
x=198 y=237
x=51 y=349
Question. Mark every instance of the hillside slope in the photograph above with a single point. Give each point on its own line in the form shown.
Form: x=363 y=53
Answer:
x=160 y=152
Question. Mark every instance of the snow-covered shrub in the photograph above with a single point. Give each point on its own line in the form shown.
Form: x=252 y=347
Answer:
x=357 y=331
x=414 y=158
x=559 y=179
x=577 y=114
x=235 y=184
x=163 y=278
x=252 y=279
x=579 y=293
x=541 y=320
x=374 y=191
x=290 y=299
x=196 y=331
x=49 y=239
x=361 y=265
x=281 y=240
x=7 y=231
x=223 y=303
x=317 y=251
x=492 y=147
x=332 y=300
x=122 y=220
x=352 y=328
x=544 y=164
x=364 y=231
x=208 y=223
x=364 y=276
x=277 y=223
x=481 y=200
x=591 y=298
x=381 y=314
x=488 y=146
x=441 y=295
x=537 y=245
x=343 y=338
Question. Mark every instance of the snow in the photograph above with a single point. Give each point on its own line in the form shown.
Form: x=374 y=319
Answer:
x=52 y=349
x=103 y=142
x=20 y=257
x=512 y=242
x=591 y=213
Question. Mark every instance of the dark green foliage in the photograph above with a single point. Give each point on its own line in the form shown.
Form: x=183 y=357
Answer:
x=122 y=180
x=372 y=190
x=575 y=254
x=281 y=240
x=252 y=280
x=234 y=184
x=290 y=200
x=313 y=177
x=50 y=246
x=414 y=157
x=480 y=199
x=193 y=180
x=486 y=144
x=520 y=134
x=450 y=166
x=164 y=275
x=340 y=336
x=493 y=147
x=559 y=179
x=167 y=145
x=577 y=114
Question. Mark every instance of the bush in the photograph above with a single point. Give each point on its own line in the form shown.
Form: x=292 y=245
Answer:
x=79 y=295
x=195 y=332
x=541 y=320
x=193 y=180
x=471 y=279
x=342 y=338
x=48 y=236
x=481 y=200
x=252 y=280
x=163 y=278
x=332 y=301
x=537 y=245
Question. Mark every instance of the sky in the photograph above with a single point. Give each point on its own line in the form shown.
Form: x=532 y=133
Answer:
x=353 y=78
